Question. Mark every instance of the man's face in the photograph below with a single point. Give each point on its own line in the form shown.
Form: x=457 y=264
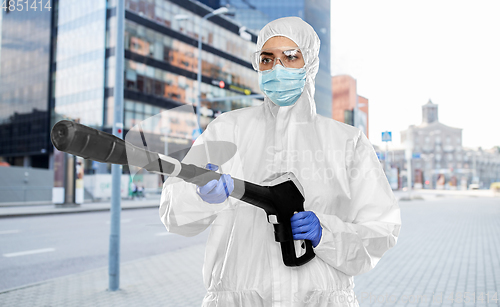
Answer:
x=273 y=48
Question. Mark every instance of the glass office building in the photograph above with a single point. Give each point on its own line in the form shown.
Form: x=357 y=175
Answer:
x=79 y=59
x=61 y=66
x=255 y=14
x=161 y=59
x=25 y=52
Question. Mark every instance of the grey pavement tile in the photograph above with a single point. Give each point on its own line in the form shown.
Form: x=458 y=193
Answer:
x=446 y=246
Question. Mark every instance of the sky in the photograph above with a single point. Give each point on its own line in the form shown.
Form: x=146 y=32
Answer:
x=403 y=53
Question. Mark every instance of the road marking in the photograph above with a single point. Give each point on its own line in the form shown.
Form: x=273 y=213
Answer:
x=3 y=232
x=165 y=233
x=35 y=251
x=122 y=221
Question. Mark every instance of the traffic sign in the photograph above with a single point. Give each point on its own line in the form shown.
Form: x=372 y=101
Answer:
x=387 y=136
x=196 y=133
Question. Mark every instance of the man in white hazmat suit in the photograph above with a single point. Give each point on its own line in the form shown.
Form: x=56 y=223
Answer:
x=351 y=214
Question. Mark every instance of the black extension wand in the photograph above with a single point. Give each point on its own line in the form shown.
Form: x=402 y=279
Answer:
x=280 y=200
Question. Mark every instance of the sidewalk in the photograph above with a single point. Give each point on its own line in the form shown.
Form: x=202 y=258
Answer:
x=152 y=201
x=448 y=254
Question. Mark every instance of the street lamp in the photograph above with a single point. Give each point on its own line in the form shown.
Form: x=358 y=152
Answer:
x=409 y=154
x=219 y=11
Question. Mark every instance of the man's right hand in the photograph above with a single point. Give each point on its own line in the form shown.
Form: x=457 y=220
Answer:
x=216 y=192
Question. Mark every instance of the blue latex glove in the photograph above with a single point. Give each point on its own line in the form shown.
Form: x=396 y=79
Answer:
x=212 y=167
x=306 y=226
x=216 y=192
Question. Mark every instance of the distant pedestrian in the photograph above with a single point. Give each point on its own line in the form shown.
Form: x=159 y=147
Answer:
x=133 y=190
x=140 y=192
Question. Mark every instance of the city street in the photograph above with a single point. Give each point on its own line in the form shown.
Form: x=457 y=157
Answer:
x=38 y=248
x=447 y=255
x=102 y=101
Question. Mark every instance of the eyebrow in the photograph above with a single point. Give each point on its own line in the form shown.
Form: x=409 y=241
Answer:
x=270 y=53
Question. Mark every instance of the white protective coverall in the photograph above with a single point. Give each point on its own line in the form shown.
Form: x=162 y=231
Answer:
x=344 y=186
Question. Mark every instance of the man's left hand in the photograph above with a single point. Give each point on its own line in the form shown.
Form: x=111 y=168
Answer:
x=306 y=226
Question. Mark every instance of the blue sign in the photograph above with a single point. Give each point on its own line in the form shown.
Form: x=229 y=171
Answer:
x=416 y=155
x=380 y=156
x=386 y=136
x=196 y=133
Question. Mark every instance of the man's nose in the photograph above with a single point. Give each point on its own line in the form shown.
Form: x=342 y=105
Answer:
x=278 y=60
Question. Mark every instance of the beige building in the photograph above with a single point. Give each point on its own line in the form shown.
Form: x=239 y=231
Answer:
x=439 y=159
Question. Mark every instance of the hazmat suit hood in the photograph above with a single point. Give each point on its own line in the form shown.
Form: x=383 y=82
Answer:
x=300 y=32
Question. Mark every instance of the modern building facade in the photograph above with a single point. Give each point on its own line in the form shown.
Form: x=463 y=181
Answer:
x=255 y=14
x=438 y=158
x=1 y=18
x=25 y=57
x=345 y=99
x=63 y=68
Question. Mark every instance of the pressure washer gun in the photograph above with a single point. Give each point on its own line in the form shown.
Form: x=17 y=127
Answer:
x=280 y=197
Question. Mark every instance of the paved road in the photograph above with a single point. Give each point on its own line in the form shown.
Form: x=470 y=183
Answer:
x=38 y=248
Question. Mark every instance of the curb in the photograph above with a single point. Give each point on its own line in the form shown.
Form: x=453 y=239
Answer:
x=6 y=215
x=29 y=285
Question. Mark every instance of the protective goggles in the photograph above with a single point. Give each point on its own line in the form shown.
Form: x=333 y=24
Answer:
x=288 y=57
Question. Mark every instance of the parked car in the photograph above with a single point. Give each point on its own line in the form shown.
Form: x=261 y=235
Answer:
x=473 y=186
